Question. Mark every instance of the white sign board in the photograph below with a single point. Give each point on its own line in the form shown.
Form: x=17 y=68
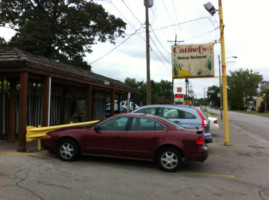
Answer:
x=193 y=61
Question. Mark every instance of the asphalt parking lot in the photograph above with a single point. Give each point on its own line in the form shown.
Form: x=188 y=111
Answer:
x=239 y=171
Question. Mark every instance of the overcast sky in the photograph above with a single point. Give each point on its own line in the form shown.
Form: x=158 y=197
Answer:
x=246 y=36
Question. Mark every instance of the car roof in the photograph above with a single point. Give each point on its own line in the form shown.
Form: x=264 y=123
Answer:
x=167 y=106
x=136 y=115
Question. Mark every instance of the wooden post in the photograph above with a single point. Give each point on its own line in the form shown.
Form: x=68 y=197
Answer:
x=89 y=106
x=46 y=101
x=23 y=111
x=118 y=102
x=134 y=99
x=64 y=96
x=112 y=103
x=12 y=112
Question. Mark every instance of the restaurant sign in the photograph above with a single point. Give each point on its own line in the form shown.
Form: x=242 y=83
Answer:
x=193 y=61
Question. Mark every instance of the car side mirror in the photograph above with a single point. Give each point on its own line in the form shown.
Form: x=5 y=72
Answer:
x=96 y=129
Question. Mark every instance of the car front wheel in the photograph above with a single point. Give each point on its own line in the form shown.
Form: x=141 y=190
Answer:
x=169 y=159
x=68 y=150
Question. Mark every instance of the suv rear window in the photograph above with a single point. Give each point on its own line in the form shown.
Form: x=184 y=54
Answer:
x=175 y=114
x=151 y=111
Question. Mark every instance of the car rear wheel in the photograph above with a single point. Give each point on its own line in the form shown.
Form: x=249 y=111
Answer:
x=68 y=150
x=169 y=159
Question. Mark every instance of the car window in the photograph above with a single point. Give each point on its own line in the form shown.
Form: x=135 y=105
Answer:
x=144 y=124
x=189 y=115
x=172 y=113
x=114 y=124
x=151 y=111
x=169 y=113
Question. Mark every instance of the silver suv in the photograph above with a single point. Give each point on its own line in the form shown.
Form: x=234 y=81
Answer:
x=186 y=116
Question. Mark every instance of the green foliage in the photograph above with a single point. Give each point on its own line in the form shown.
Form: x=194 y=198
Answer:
x=60 y=30
x=212 y=94
x=264 y=88
x=159 y=91
x=242 y=87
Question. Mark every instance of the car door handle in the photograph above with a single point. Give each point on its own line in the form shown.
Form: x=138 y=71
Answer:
x=118 y=136
x=155 y=138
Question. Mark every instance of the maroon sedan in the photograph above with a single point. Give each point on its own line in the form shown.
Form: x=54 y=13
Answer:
x=131 y=136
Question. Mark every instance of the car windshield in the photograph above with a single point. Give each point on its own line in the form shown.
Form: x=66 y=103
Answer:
x=171 y=123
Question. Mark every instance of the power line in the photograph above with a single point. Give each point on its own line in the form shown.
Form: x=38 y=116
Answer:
x=131 y=11
x=168 y=14
x=159 y=41
x=161 y=55
x=117 y=63
x=211 y=31
x=114 y=48
x=176 y=14
x=122 y=14
x=159 y=51
x=164 y=27
x=125 y=18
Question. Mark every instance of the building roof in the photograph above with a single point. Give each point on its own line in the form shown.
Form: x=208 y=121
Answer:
x=16 y=60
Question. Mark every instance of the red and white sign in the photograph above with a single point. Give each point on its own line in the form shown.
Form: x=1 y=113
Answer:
x=179 y=89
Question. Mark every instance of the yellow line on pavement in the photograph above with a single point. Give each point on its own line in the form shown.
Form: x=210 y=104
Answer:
x=23 y=154
x=209 y=174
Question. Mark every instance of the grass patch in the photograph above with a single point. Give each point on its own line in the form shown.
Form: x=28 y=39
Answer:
x=252 y=113
x=212 y=114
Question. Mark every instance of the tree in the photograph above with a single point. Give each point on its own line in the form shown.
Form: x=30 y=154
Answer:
x=160 y=91
x=140 y=86
x=242 y=87
x=212 y=94
x=265 y=94
x=63 y=30
x=165 y=89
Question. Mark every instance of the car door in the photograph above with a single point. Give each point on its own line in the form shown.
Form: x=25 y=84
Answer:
x=107 y=138
x=143 y=138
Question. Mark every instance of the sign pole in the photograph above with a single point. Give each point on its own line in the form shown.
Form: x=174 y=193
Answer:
x=224 y=82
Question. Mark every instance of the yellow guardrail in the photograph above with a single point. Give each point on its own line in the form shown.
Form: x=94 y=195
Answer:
x=37 y=133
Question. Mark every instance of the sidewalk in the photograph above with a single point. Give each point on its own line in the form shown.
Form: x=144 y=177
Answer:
x=6 y=146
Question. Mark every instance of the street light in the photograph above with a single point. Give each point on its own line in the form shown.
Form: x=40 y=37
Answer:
x=210 y=8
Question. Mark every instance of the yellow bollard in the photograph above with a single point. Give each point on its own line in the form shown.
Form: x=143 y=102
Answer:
x=39 y=144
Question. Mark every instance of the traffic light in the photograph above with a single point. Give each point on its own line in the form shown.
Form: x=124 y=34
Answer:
x=177 y=96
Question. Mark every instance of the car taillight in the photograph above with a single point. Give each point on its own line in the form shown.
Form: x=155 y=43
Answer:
x=205 y=124
x=204 y=121
x=47 y=136
x=200 y=140
x=215 y=122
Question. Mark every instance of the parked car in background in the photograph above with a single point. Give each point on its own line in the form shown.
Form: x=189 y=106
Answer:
x=185 y=116
x=131 y=136
x=214 y=125
x=124 y=105
x=116 y=109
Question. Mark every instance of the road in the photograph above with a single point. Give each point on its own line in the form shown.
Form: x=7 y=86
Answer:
x=256 y=126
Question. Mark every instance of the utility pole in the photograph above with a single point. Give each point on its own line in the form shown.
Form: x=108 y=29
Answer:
x=148 y=54
x=173 y=99
x=224 y=82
